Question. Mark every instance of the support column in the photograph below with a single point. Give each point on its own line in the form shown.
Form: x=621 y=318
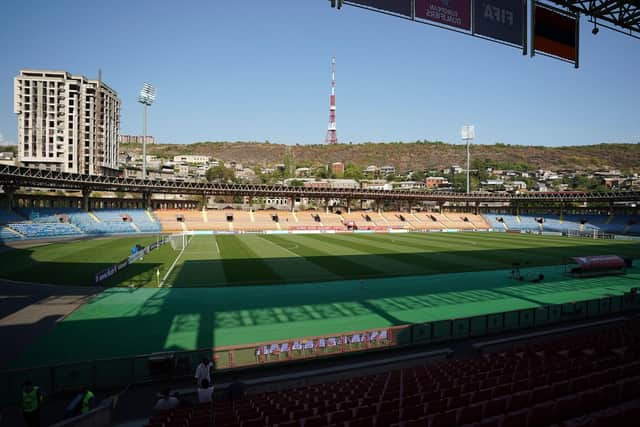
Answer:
x=146 y=200
x=85 y=198
x=10 y=191
x=348 y=205
x=292 y=201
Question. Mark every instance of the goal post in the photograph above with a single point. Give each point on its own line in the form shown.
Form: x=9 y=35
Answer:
x=179 y=241
x=589 y=234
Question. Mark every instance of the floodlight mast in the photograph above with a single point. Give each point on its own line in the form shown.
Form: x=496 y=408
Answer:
x=468 y=133
x=146 y=98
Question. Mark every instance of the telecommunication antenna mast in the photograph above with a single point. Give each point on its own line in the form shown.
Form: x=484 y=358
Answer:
x=332 y=135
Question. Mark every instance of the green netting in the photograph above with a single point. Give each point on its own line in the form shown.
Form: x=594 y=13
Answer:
x=461 y=328
x=527 y=318
x=593 y=308
x=511 y=320
x=541 y=316
x=402 y=336
x=442 y=330
x=616 y=303
x=580 y=309
x=495 y=323
x=479 y=325
x=422 y=333
x=555 y=313
x=247 y=356
x=75 y=375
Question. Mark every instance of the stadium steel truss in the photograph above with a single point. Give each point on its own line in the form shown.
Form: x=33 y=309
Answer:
x=15 y=177
x=623 y=13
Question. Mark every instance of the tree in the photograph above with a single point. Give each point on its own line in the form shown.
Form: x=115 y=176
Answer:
x=296 y=183
x=353 y=172
x=418 y=176
x=220 y=174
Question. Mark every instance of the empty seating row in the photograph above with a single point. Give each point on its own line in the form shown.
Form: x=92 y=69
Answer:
x=530 y=386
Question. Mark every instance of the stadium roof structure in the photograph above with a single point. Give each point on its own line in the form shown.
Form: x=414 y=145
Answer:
x=14 y=177
x=622 y=13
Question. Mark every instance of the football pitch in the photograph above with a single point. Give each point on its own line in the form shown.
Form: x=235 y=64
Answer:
x=260 y=259
x=244 y=289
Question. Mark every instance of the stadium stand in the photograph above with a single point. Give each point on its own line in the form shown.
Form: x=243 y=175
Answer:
x=395 y=219
x=267 y=220
x=169 y=220
x=616 y=224
x=360 y=219
x=221 y=220
x=331 y=220
x=308 y=219
x=45 y=223
x=590 y=379
x=245 y=221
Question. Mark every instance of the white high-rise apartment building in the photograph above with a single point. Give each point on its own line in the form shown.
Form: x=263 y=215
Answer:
x=66 y=122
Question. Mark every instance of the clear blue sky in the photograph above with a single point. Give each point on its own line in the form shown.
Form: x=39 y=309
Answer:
x=259 y=70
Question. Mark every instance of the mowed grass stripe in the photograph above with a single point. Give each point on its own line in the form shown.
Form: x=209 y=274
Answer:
x=393 y=262
x=287 y=264
x=341 y=266
x=67 y=263
x=235 y=254
x=200 y=265
x=518 y=248
x=431 y=256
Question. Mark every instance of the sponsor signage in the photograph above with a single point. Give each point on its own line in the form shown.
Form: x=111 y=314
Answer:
x=502 y=20
x=401 y=7
x=106 y=273
x=454 y=13
x=555 y=33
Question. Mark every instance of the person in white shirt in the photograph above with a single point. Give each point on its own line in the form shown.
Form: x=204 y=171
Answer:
x=203 y=371
x=205 y=392
x=166 y=402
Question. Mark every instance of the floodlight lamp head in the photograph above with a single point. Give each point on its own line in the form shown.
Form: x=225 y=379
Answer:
x=147 y=94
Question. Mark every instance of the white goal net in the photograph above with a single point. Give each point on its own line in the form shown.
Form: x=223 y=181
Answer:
x=179 y=241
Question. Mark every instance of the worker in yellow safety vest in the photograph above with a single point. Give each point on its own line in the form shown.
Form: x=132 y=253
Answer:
x=31 y=399
x=88 y=399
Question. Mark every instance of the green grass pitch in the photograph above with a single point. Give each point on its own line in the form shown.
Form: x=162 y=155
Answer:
x=297 y=286
x=276 y=259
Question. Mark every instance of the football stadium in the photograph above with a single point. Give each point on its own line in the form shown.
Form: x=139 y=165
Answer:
x=294 y=284
x=159 y=288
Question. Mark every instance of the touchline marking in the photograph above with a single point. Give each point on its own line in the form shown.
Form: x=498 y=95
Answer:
x=217 y=247
x=171 y=268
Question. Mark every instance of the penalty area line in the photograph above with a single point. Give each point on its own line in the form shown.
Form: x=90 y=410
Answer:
x=164 y=279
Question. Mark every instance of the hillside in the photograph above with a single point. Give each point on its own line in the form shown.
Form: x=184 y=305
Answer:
x=410 y=156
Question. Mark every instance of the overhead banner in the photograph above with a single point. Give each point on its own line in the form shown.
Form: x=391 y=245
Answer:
x=502 y=20
x=555 y=33
x=401 y=7
x=454 y=13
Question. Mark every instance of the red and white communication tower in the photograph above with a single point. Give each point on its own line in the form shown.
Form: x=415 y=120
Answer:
x=332 y=135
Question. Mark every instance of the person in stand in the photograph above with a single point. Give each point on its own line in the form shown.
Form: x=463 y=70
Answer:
x=205 y=392
x=166 y=402
x=203 y=371
x=88 y=400
x=31 y=400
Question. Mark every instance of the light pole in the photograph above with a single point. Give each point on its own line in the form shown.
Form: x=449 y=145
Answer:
x=146 y=98
x=468 y=133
